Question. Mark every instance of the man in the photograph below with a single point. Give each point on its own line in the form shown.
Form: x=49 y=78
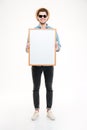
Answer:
x=42 y=15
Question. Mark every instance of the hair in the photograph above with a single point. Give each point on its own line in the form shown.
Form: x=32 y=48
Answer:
x=42 y=10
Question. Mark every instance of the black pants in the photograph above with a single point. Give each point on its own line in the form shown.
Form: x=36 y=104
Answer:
x=48 y=75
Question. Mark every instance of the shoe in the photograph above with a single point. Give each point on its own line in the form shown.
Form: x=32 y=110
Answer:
x=50 y=115
x=35 y=115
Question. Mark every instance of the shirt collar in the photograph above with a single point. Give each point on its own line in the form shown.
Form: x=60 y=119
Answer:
x=40 y=26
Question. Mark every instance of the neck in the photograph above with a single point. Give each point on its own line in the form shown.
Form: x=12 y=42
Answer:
x=43 y=26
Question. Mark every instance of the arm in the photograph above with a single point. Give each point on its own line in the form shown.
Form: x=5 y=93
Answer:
x=57 y=45
x=28 y=44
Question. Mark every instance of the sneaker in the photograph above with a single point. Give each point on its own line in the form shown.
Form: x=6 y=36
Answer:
x=50 y=115
x=35 y=115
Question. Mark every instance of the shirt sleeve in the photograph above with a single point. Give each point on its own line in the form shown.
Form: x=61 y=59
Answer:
x=58 y=41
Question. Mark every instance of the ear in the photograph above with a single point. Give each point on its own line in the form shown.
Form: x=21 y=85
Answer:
x=37 y=18
x=47 y=18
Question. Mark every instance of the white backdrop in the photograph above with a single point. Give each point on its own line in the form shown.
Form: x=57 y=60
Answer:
x=70 y=74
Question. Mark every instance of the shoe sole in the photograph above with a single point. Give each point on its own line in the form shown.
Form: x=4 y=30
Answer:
x=50 y=118
x=35 y=118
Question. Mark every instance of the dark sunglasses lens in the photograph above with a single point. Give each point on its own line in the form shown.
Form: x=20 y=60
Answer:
x=45 y=16
x=40 y=16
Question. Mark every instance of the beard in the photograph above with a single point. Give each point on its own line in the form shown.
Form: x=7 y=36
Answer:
x=42 y=23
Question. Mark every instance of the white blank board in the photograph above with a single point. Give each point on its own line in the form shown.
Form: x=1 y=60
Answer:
x=42 y=47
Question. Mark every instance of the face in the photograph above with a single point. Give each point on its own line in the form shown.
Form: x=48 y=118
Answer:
x=42 y=17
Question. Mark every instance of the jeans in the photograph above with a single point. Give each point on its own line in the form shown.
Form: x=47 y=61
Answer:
x=48 y=75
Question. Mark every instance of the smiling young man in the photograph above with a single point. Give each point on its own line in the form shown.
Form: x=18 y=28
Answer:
x=42 y=15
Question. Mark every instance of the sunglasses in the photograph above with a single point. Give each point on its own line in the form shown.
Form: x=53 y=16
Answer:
x=40 y=16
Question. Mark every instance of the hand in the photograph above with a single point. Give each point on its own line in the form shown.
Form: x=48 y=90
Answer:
x=28 y=47
x=56 y=46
